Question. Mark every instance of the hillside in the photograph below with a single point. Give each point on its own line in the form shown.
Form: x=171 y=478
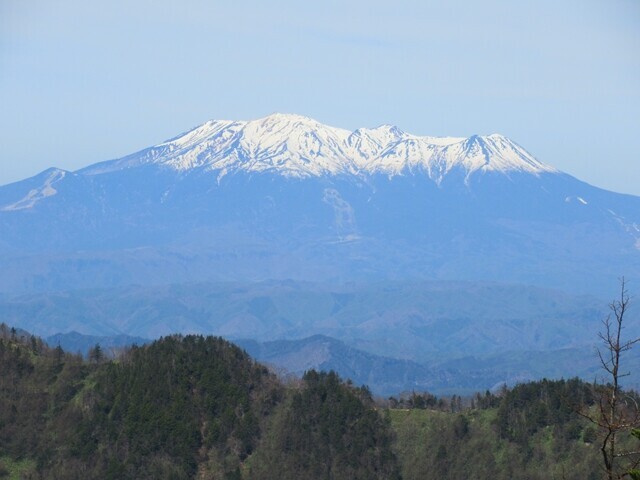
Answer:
x=198 y=407
x=180 y=407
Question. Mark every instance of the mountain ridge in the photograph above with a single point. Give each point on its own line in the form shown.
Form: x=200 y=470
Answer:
x=298 y=146
x=285 y=197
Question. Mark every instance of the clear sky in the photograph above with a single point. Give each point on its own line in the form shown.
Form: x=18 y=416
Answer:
x=84 y=81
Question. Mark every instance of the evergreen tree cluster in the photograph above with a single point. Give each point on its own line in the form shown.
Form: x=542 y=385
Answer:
x=530 y=407
x=199 y=407
x=178 y=408
x=533 y=431
x=329 y=430
x=37 y=383
x=181 y=401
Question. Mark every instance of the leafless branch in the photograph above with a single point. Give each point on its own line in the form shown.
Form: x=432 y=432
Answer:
x=616 y=413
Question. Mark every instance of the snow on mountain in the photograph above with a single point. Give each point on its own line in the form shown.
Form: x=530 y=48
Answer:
x=335 y=205
x=297 y=146
x=46 y=189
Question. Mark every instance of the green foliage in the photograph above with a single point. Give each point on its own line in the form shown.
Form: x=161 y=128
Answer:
x=165 y=408
x=179 y=408
x=635 y=473
x=35 y=385
x=11 y=469
x=529 y=407
x=530 y=432
x=328 y=430
x=199 y=407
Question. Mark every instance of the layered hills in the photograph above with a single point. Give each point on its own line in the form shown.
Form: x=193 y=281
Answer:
x=419 y=249
x=451 y=337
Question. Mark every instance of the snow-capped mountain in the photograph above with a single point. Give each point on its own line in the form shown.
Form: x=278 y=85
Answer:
x=296 y=146
x=287 y=197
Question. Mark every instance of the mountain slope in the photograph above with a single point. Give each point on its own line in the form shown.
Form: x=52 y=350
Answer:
x=383 y=375
x=296 y=146
x=287 y=197
x=180 y=407
x=466 y=375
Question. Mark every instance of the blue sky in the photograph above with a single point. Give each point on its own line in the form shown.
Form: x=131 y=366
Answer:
x=82 y=82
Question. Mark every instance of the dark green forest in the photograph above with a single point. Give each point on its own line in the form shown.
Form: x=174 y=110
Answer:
x=200 y=407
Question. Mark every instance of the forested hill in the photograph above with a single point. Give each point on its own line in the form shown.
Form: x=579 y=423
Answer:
x=200 y=407
x=181 y=407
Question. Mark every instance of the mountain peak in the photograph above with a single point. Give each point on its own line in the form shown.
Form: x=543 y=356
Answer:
x=298 y=146
x=286 y=117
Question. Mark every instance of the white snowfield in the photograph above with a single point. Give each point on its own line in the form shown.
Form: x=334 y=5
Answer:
x=297 y=146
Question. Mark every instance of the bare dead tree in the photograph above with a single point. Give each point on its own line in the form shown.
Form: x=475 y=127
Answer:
x=616 y=412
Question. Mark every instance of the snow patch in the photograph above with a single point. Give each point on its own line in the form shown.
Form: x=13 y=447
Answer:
x=345 y=219
x=580 y=200
x=632 y=229
x=37 y=194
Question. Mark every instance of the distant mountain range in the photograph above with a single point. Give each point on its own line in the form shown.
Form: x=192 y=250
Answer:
x=391 y=376
x=403 y=252
x=75 y=342
x=444 y=337
x=285 y=197
x=420 y=321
